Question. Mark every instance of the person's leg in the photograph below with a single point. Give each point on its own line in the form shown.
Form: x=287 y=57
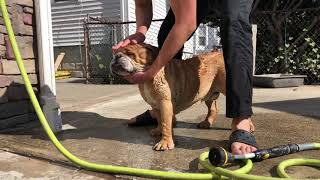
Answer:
x=237 y=48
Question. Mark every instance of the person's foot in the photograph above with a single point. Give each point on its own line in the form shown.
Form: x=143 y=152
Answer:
x=242 y=123
x=150 y=114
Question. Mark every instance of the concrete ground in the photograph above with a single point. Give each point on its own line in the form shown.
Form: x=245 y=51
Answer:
x=94 y=129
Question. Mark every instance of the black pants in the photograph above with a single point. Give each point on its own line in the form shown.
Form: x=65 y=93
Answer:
x=236 y=38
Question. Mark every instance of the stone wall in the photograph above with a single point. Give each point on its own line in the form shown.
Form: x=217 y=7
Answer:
x=15 y=106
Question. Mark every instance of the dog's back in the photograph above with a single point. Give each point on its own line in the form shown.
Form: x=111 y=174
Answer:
x=196 y=79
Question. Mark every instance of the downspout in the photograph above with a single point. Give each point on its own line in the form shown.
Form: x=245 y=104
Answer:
x=124 y=16
x=123 y=10
x=254 y=46
x=48 y=101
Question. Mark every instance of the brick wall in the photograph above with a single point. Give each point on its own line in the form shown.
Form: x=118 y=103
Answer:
x=15 y=106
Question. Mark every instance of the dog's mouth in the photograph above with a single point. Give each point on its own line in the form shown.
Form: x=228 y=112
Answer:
x=121 y=65
x=119 y=70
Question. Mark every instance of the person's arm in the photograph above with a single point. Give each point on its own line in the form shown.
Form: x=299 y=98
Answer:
x=143 y=18
x=143 y=15
x=185 y=25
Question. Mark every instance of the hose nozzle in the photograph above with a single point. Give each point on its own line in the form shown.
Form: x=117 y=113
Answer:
x=218 y=156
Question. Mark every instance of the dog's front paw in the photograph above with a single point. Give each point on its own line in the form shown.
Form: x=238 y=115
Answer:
x=204 y=125
x=155 y=132
x=164 y=145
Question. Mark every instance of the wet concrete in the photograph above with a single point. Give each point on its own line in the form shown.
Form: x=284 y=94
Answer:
x=17 y=167
x=95 y=130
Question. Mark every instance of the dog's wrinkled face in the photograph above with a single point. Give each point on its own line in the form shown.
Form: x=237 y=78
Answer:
x=132 y=59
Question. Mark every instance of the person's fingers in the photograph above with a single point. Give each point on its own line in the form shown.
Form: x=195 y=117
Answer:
x=117 y=46
x=120 y=44
x=134 y=41
x=125 y=42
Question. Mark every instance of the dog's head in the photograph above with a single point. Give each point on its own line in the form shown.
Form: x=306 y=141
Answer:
x=133 y=58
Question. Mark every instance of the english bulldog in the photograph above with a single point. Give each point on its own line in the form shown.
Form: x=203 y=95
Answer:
x=176 y=87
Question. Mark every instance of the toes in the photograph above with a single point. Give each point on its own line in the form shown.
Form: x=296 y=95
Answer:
x=160 y=147
x=253 y=149
x=241 y=148
x=235 y=149
x=163 y=146
x=246 y=149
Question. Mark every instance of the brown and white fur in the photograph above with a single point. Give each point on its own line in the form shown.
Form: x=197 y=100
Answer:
x=177 y=86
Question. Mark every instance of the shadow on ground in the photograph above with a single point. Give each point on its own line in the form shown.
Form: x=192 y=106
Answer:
x=86 y=125
x=304 y=107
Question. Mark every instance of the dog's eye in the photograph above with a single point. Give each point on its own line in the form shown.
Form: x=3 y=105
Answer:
x=131 y=55
x=117 y=56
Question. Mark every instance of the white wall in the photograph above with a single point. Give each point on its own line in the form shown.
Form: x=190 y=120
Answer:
x=160 y=8
x=159 y=12
x=67 y=18
x=212 y=38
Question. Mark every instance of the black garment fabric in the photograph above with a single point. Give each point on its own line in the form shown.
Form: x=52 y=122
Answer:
x=236 y=39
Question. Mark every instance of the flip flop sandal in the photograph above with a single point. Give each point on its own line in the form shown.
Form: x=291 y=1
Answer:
x=242 y=136
x=144 y=119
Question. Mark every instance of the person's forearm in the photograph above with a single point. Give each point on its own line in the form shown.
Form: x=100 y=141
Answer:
x=143 y=15
x=178 y=35
x=185 y=24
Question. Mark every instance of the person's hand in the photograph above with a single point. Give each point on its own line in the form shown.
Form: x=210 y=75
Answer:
x=141 y=77
x=135 y=38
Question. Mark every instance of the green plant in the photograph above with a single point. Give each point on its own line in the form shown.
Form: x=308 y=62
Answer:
x=302 y=59
x=290 y=46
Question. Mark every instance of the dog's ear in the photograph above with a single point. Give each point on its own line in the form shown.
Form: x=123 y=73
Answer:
x=153 y=49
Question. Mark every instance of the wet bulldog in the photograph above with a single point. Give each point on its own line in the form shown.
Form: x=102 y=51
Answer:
x=176 y=87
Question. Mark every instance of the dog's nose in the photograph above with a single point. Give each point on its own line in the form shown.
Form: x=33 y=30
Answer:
x=117 y=56
x=115 y=65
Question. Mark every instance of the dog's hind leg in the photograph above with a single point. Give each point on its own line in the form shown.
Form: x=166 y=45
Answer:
x=211 y=116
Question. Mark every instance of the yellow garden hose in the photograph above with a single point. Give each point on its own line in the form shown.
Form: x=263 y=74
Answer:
x=214 y=172
x=62 y=75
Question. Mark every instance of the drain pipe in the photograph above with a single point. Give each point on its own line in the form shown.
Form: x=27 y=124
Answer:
x=48 y=100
